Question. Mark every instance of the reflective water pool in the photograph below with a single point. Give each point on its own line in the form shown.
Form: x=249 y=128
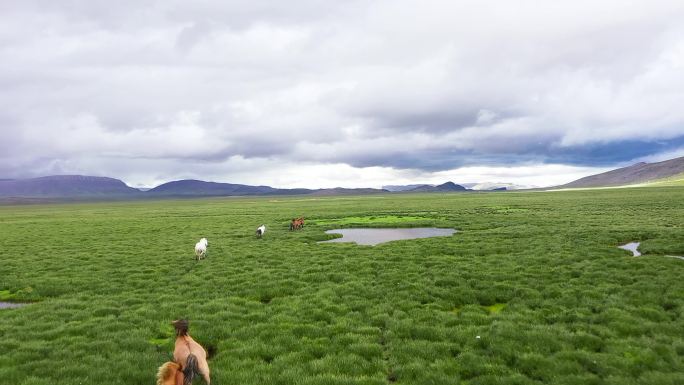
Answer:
x=632 y=246
x=376 y=236
x=11 y=305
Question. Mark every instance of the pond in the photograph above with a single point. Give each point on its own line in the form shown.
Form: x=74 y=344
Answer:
x=632 y=246
x=11 y=305
x=373 y=237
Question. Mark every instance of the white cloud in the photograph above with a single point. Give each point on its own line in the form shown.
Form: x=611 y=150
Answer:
x=679 y=152
x=403 y=85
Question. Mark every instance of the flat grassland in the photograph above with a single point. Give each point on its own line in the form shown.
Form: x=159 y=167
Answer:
x=537 y=276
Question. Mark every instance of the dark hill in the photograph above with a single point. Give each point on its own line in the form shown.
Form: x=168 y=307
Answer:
x=191 y=187
x=348 y=191
x=399 y=188
x=60 y=186
x=446 y=187
x=634 y=174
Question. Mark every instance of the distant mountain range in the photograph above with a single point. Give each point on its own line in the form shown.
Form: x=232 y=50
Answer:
x=78 y=187
x=66 y=186
x=347 y=191
x=446 y=187
x=398 y=188
x=484 y=186
x=493 y=186
x=75 y=187
x=191 y=187
x=639 y=173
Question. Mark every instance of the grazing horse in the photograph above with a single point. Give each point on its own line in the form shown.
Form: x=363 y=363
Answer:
x=260 y=231
x=297 y=223
x=200 y=250
x=189 y=356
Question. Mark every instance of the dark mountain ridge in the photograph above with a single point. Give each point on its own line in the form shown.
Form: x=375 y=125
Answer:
x=60 y=186
x=348 y=191
x=445 y=187
x=398 y=188
x=192 y=187
x=637 y=173
x=79 y=187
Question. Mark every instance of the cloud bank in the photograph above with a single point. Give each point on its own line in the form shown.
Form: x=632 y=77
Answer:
x=350 y=93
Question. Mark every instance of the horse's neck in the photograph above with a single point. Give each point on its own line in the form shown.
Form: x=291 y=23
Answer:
x=186 y=338
x=184 y=341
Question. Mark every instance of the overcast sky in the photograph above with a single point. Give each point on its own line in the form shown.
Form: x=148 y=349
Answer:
x=339 y=93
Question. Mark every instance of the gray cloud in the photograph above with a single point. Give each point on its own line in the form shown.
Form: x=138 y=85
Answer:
x=430 y=85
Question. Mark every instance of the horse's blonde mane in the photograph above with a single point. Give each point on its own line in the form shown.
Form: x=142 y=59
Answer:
x=165 y=371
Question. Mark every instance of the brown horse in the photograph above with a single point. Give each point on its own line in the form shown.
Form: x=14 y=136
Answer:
x=189 y=358
x=297 y=223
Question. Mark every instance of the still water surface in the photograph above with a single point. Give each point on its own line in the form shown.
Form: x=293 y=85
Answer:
x=11 y=305
x=632 y=246
x=376 y=236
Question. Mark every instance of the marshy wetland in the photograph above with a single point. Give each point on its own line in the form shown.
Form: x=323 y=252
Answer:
x=532 y=289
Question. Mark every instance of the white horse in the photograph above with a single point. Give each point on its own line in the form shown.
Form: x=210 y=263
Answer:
x=201 y=248
x=260 y=231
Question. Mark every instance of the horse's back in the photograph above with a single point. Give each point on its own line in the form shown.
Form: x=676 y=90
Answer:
x=185 y=346
x=183 y=349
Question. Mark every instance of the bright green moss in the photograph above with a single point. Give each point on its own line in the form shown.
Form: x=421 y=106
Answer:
x=495 y=308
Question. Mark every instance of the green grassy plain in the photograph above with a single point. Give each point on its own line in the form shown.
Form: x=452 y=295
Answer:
x=537 y=276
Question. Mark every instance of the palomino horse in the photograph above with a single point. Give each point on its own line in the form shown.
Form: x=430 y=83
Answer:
x=170 y=373
x=297 y=223
x=189 y=359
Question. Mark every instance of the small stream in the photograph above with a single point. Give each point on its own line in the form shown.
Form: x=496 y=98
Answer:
x=632 y=246
x=11 y=305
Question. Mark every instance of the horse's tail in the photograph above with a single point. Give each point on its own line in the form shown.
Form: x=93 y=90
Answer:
x=165 y=371
x=191 y=368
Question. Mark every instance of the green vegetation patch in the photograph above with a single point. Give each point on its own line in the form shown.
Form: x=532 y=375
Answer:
x=491 y=309
x=164 y=337
x=672 y=245
x=371 y=220
x=675 y=180
x=501 y=209
x=495 y=308
x=507 y=210
x=26 y=294
x=6 y=295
